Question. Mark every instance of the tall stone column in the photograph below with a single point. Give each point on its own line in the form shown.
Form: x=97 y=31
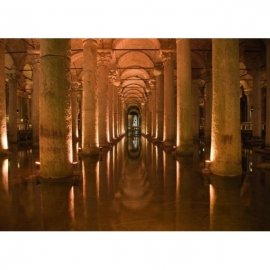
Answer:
x=3 y=116
x=12 y=127
x=195 y=109
x=115 y=104
x=149 y=113
x=184 y=141
x=159 y=107
x=103 y=61
x=169 y=100
x=89 y=116
x=153 y=108
x=123 y=118
x=55 y=138
x=249 y=94
x=257 y=109
x=35 y=101
x=74 y=110
x=110 y=111
x=226 y=135
x=143 y=119
x=267 y=130
x=208 y=106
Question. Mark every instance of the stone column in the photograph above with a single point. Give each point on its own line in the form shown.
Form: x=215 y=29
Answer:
x=55 y=138
x=169 y=100
x=267 y=130
x=149 y=114
x=74 y=110
x=195 y=109
x=153 y=108
x=89 y=117
x=110 y=111
x=257 y=109
x=249 y=94
x=103 y=61
x=184 y=141
x=123 y=120
x=208 y=106
x=159 y=107
x=226 y=135
x=143 y=119
x=115 y=104
x=3 y=116
x=12 y=127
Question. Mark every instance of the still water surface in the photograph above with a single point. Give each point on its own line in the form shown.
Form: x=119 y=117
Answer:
x=133 y=186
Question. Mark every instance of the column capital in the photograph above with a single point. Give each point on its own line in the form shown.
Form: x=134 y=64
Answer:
x=248 y=92
x=90 y=41
x=104 y=57
x=168 y=57
x=112 y=75
x=12 y=77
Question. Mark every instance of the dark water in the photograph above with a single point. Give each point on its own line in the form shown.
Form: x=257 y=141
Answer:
x=134 y=186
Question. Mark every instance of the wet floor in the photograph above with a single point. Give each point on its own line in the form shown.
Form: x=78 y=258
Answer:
x=134 y=186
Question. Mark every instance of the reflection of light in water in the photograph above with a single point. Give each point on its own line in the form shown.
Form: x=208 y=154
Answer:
x=97 y=180
x=250 y=166
x=71 y=203
x=212 y=204
x=108 y=169
x=4 y=141
x=5 y=174
x=177 y=180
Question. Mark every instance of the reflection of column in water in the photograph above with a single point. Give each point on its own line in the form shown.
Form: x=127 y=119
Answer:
x=225 y=203
x=90 y=170
x=56 y=205
x=169 y=174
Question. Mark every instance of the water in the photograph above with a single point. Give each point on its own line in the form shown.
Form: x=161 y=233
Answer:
x=134 y=186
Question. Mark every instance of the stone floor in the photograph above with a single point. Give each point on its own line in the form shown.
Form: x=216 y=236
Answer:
x=133 y=186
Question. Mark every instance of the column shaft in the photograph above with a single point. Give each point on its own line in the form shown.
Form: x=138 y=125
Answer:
x=226 y=136
x=89 y=117
x=55 y=109
x=208 y=108
x=3 y=125
x=267 y=131
x=169 y=101
x=195 y=110
x=12 y=127
x=74 y=110
x=184 y=135
x=153 y=127
x=159 y=106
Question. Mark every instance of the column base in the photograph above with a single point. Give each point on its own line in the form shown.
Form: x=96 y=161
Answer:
x=90 y=151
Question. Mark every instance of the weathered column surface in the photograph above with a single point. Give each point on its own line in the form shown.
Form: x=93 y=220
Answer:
x=208 y=106
x=103 y=61
x=12 y=125
x=35 y=101
x=55 y=109
x=267 y=131
x=3 y=125
x=149 y=114
x=195 y=110
x=169 y=101
x=226 y=136
x=89 y=117
x=74 y=110
x=184 y=141
x=159 y=107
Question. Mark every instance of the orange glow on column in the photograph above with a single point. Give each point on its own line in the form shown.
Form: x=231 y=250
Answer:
x=5 y=174
x=71 y=204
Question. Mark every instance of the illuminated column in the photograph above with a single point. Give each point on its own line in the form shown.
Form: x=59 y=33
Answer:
x=89 y=120
x=257 y=109
x=103 y=61
x=226 y=138
x=123 y=120
x=184 y=135
x=267 y=131
x=153 y=108
x=12 y=127
x=110 y=111
x=159 y=106
x=115 y=104
x=149 y=113
x=169 y=100
x=208 y=107
x=55 y=130
x=74 y=110
x=249 y=94
x=112 y=100
x=195 y=109
x=3 y=126
x=143 y=121
x=35 y=101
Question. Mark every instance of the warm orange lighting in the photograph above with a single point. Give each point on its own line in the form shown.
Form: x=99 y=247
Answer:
x=5 y=174
x=71 y=203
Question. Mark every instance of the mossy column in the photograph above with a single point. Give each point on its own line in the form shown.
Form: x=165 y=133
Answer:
x=90 y=144
x=226 y=137
x=55 y=135
x=184 y=141
x=3 y=126
x=169 y=100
